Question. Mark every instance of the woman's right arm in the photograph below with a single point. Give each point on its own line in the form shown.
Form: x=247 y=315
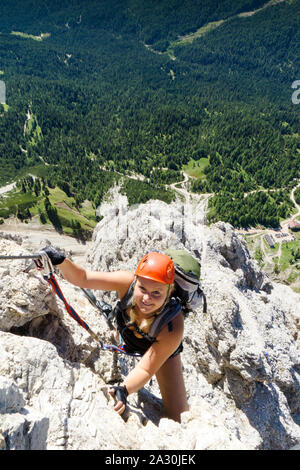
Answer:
x=108 y=281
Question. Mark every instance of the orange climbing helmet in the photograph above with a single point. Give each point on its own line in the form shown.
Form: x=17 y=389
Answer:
x=156 y=266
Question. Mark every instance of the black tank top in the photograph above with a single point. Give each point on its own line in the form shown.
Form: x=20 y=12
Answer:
x=133 y=344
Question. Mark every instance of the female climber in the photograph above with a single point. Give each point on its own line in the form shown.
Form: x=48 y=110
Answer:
x=147 y=293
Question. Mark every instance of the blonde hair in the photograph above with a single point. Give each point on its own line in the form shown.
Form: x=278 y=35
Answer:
x=146 y=322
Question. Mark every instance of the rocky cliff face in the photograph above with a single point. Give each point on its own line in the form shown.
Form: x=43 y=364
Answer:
x=241 y=360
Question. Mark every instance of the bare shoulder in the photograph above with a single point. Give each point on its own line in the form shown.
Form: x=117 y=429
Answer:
x=176 y=330
x=125 y=278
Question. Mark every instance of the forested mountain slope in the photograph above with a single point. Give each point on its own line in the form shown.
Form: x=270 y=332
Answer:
x=111 y=87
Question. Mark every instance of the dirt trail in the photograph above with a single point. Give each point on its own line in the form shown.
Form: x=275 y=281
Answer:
x=294 y=202
x=7 y=188
x=189 y=196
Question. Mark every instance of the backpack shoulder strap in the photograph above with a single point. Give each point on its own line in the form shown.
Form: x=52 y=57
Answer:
x=123 y=303
x=127 y=299
x=171 y=310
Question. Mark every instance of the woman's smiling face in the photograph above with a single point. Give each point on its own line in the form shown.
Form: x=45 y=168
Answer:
x=149 y=295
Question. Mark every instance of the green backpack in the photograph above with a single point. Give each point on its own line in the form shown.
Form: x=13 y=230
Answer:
x=187 y=279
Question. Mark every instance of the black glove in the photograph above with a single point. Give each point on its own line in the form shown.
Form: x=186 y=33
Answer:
x=121 y=393
x=55 y=256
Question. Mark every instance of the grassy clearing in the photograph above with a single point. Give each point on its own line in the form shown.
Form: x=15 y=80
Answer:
x=31 y=36
x=70 y=217
x=287 y=250
x=197 y=34
x=40 y=170
x=33 y=130
x=189 y=38
x=67 y=212
x=88 y=211
x=195 y=168
x=15 y=200
x=5 y=106
x=269 y=250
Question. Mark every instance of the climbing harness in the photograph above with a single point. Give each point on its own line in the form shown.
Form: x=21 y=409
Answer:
x=43 y=263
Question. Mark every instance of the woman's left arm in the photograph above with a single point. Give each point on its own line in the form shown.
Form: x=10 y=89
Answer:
x=167 y=342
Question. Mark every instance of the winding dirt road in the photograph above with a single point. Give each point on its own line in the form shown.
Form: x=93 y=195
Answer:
x=294 y=202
